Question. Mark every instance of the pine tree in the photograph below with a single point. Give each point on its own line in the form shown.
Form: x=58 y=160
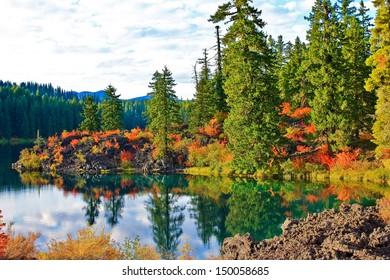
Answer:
x=203 y=107
x=292 y=76
x=90 y=114
x=163 y=111
x=252 y=124
x=358 y=107
x=218 y=79
x=324 y=72
x=380 y=76
x=112 y=111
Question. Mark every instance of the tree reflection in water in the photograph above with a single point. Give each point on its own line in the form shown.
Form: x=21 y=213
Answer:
x=166 y=216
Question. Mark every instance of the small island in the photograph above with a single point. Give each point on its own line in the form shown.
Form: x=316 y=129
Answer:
x=112 y=151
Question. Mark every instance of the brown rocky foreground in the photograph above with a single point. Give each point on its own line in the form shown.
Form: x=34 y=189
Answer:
x=350 y=233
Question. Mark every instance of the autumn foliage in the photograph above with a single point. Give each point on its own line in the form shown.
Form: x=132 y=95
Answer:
x=88 y=245
x=21 y=247
x=212 y=129
x=384 y=209
x=3 y=237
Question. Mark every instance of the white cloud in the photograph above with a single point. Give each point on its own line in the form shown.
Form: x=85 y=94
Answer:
x=88 y=44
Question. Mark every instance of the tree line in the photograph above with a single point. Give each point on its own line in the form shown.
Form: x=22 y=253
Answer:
x=28 y=107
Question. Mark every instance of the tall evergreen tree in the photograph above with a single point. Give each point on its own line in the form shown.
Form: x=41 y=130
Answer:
x=250 y=86
x=90 y=114
x=112 y=111
x=380 y=76
x=324 y=62
x=163 y=110
x=292 y=76
x=203 y=106
x=218 y=79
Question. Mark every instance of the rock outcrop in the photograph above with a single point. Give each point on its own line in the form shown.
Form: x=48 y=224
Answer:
x=351 y=233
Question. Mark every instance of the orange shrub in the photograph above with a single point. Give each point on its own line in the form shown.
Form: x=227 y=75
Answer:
x=109 y=133
x=295 y=134
x=345 y=159
x=86 y=246
x=286 y=108
x=213 y=129
x=303 y=149
x=133 y=135
x=96 y=137
x=74 y=142
x=52 y=141
x=58 y=157
x=301 y=112
x=65 y=134
x=116 y=144
x=108 y=144
x=126 y=156
x=310 y=129
x=298 y=162
x=20 y=247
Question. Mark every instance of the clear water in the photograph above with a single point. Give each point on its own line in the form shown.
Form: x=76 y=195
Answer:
x=163 y=210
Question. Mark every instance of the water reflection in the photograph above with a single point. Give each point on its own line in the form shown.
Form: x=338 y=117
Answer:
x=166 y=209
x=208 y=207
x=166 y=215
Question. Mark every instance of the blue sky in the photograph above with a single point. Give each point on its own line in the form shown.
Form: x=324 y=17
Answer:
x=89 y=44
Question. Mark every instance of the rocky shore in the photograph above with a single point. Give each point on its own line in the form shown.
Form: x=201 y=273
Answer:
x=351 y=233
x=105 y=152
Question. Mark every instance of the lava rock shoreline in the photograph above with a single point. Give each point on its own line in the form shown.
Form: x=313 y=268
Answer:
x=353 y=232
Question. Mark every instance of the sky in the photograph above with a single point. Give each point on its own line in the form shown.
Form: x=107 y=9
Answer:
x=85 y=45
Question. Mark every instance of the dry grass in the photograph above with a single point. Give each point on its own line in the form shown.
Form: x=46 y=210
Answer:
x=20 y=247
x=187 y=253
x=384 y=209
x=88 y=245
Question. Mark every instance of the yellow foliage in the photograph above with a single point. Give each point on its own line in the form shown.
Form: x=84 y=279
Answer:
x=21 y=247
x=86 y=246
x=95 y=150
x=30 y=160
x=186 y=252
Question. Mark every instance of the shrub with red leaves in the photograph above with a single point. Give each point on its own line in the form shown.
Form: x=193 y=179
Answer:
x=3 y=237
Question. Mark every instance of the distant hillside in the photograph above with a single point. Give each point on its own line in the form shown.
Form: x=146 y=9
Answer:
x=97 y=95
x=140 y=98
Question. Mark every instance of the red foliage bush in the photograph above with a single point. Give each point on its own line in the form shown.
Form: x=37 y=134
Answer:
x=109 y=133
x=126 y=156
x=298 y=162
x=286 y=108
x=52 y=141
x=303 y=149
x=213 y=129
x=65 y=134
x=3 y=237
x=310 y=129
x=74 y=142
x=133 y=135
x=301 y=112
x=345 y=159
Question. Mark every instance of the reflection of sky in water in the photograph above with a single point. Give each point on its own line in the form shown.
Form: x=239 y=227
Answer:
x=49 y=211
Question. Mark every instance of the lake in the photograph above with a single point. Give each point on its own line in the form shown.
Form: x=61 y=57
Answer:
x=163 y=210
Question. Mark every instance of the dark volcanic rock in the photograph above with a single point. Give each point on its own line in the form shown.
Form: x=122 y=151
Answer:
x=354 y=232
